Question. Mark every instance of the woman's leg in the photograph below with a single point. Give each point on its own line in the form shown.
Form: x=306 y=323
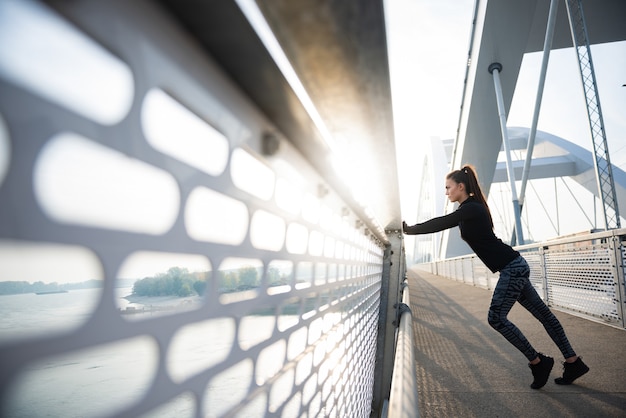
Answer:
x=508 y=290
x=573 y=368
x=529 y=299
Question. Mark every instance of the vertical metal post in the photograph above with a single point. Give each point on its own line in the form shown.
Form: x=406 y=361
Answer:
x=602 y=162
x=619 y=270
x=495 y=69
x=544 y=274
x=547 y=45
x=393 y=275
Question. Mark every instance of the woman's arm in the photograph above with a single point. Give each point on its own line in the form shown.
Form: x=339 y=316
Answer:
x=434 y=225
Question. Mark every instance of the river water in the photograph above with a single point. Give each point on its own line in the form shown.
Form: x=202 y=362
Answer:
x=102 y=380
x=28 y=314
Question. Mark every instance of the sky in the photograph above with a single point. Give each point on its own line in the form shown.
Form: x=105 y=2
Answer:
x=428 y=46
x=428 y=43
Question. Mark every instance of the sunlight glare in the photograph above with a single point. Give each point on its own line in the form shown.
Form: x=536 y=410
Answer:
x=251 y=175
x=45 y=54
x=214 y=217
x=267 y=231
x=174 y=130
x=80 y=181
x=297 y=238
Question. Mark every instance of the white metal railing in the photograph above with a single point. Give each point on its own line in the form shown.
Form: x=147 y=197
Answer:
x=582 y=274
x=125 y=151
x=403 y=399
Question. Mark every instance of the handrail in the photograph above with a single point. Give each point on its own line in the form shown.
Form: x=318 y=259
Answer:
x=403 y=399
x=575 y=238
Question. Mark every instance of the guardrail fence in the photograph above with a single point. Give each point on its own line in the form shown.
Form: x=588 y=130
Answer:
x=583 y=274
x=159 y=255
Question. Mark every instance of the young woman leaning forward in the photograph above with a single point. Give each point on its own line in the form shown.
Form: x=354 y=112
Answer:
x=476 y=225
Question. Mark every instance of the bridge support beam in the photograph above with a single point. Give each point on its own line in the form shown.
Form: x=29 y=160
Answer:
x=547 y=46
x=495 y=69
x=602 y=160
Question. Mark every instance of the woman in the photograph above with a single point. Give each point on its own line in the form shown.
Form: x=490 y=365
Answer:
x=474 y=220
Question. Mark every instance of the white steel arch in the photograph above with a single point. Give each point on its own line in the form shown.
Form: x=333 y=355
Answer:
x=553 y=157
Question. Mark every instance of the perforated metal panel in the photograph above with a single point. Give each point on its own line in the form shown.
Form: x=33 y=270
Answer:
x=583 y=280
x=621 y=278
x=537 y=274
x=127 y=153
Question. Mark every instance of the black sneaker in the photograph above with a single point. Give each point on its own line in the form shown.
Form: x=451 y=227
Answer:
x=541 y=371
x=571 y=372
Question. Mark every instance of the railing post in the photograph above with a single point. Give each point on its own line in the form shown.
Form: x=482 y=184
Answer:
x=544 y=274
x=392 y=277
x=619 y=272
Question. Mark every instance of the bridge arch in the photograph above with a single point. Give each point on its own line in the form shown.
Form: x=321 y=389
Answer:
x=553 y=157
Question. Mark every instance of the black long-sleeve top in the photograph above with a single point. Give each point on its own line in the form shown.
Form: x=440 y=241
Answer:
x=475 y=225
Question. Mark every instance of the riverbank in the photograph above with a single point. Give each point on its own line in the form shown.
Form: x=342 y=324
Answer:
x=140 y=304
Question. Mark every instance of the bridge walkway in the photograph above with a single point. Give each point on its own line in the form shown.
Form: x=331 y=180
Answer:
x=466 y=369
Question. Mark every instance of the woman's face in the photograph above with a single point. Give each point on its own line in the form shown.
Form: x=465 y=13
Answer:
x=455 y=191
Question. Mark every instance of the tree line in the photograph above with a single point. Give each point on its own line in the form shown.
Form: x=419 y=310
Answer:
x=19 y=287
x=179 y=281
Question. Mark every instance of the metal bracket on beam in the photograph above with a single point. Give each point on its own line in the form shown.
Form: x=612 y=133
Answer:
x=400 y=309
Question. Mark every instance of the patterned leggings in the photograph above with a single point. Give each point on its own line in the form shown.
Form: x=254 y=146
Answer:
x=512 y=286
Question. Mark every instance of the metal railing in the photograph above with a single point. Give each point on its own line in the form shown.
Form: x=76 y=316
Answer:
x=403 y=399
x=132 y=156
x=582 y=274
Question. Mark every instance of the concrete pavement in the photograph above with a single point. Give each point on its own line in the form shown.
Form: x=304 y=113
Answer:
x=466 y=369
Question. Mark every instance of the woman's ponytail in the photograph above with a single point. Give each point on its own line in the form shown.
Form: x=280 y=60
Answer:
x=467 y=175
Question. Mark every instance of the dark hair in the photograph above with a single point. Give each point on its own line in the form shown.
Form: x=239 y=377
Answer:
x=467 y=176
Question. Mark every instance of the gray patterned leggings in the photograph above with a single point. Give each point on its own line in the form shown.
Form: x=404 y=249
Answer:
x=513 y=286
